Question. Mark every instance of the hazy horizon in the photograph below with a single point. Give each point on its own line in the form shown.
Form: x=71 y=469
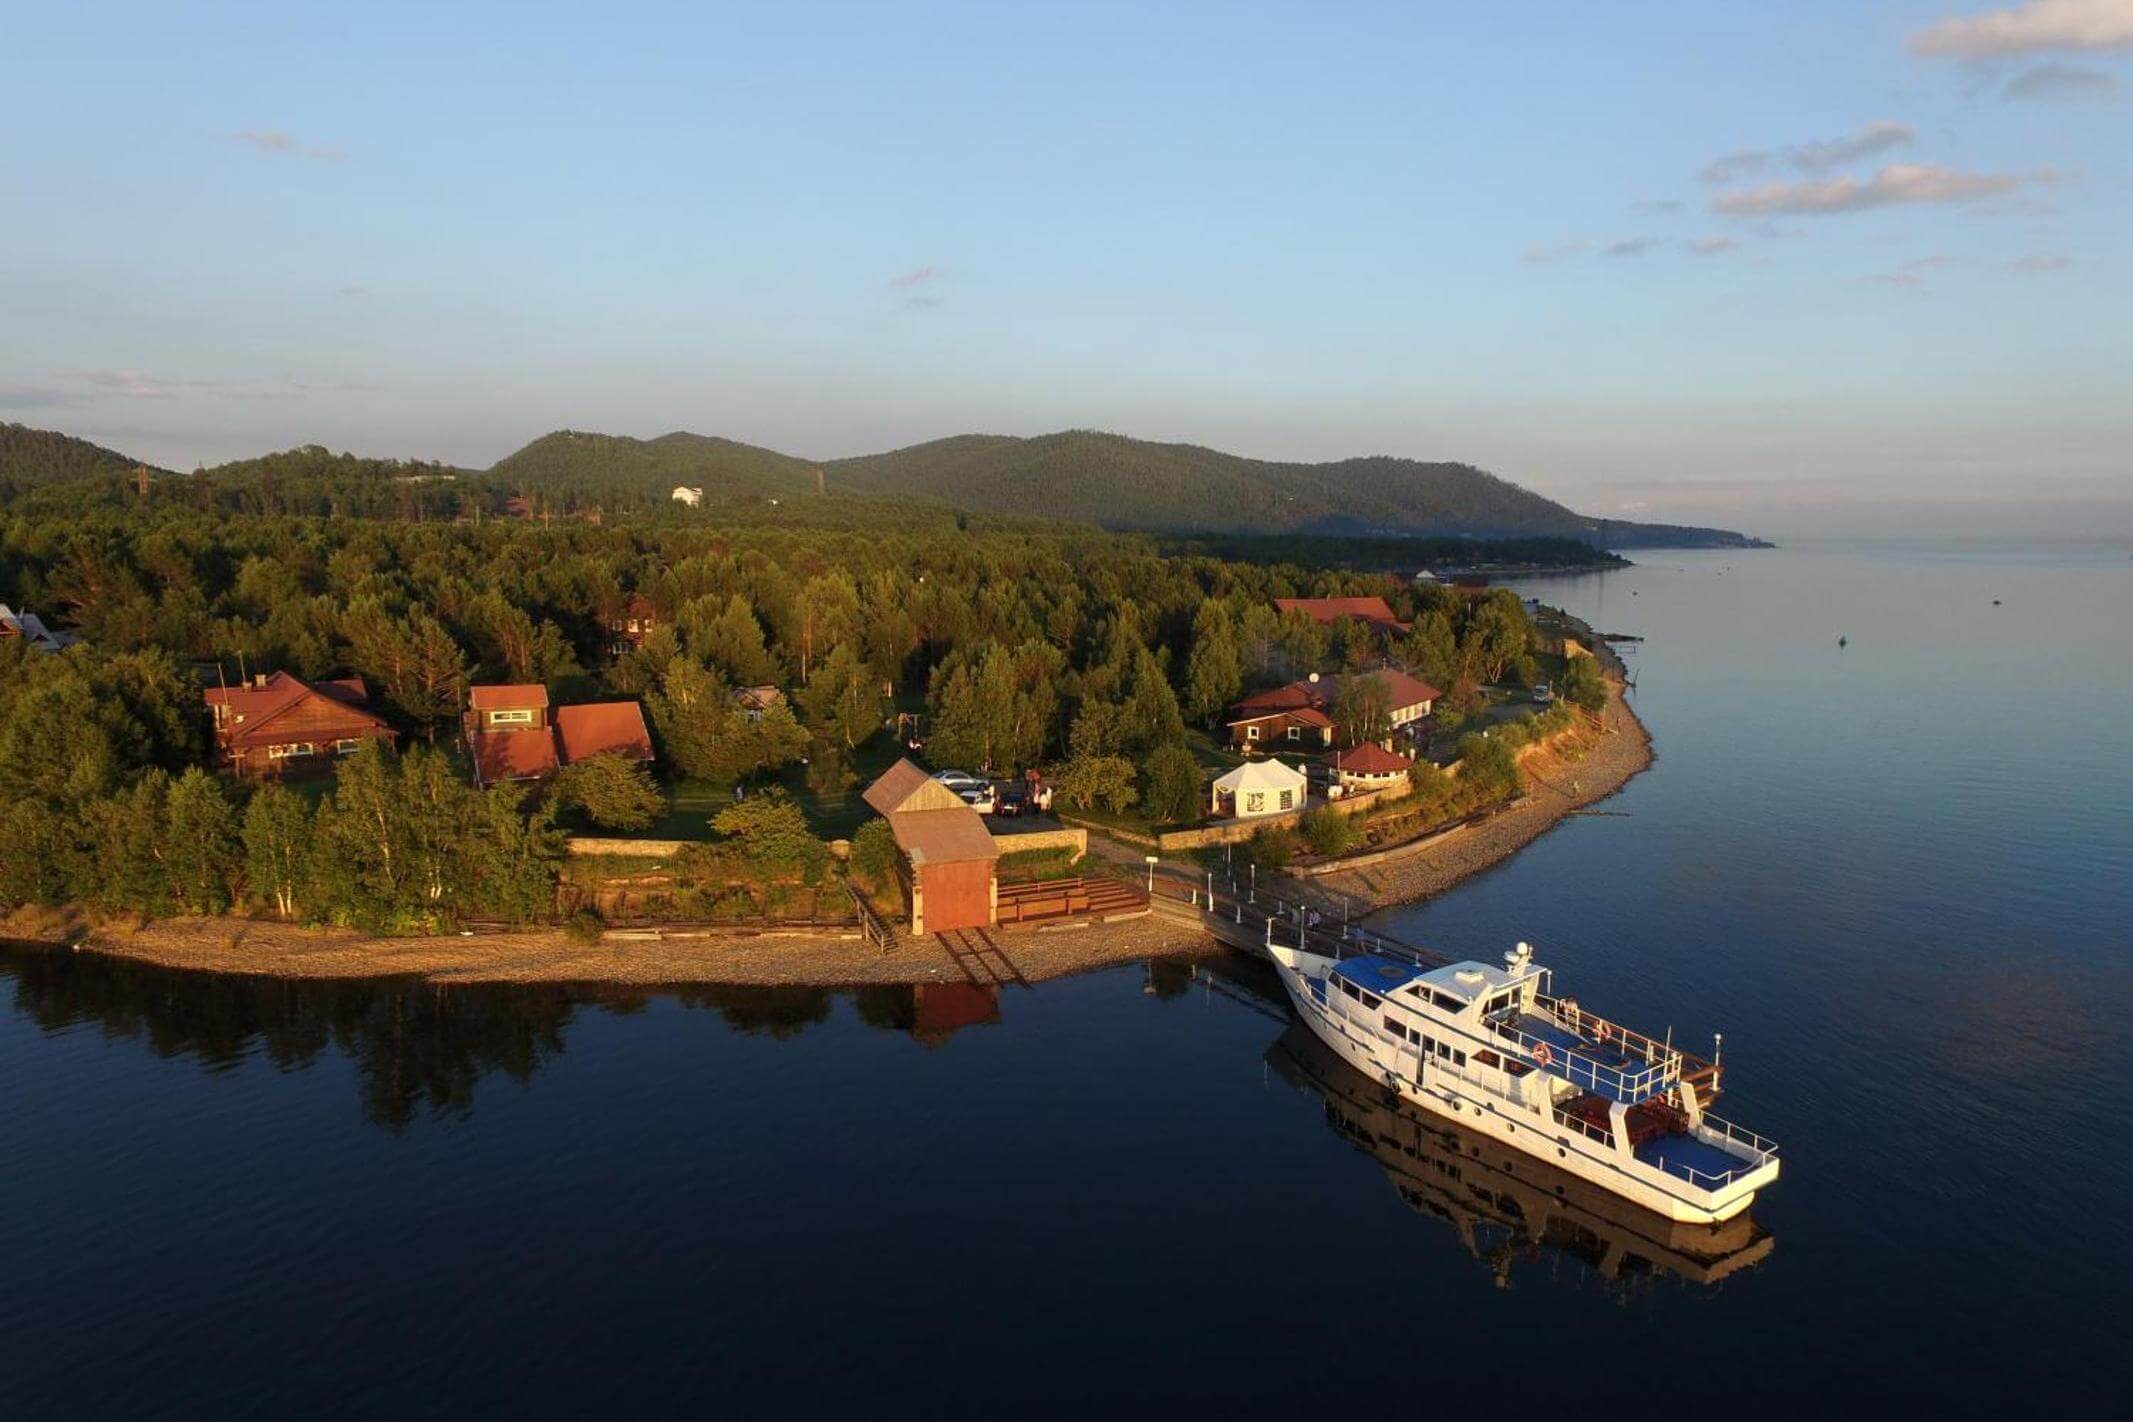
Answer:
x=1811 y=269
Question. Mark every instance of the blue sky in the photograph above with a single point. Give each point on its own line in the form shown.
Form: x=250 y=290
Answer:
x=1794 y=266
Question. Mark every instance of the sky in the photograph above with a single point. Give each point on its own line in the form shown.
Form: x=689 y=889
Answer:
x=1793 y=267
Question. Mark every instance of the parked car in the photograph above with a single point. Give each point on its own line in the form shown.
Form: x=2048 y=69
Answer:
x=980 y=797
x=1014 y=800
x=957 y=780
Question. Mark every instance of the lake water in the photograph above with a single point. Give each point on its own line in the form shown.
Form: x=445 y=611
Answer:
x=1894 y=874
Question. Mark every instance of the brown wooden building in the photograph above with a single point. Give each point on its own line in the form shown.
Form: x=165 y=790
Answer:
x=277 y=725
x=948 y=862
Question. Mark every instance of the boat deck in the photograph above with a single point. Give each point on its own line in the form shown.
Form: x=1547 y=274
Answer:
x=1601 y=1069
x=1693 y=1160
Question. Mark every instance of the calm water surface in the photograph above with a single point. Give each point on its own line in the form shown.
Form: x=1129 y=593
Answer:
x=1894 y=874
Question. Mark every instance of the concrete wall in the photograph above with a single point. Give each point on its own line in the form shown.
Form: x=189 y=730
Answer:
x=640 y=848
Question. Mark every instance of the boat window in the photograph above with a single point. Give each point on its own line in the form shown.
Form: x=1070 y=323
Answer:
x=1444 y=1050
x=1349 y=988
x=1369 y=1001
x=1458 y=1058
x=1392 y=1025
x=1446 y=1002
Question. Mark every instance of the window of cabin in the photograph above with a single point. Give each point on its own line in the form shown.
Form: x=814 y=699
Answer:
x=520 y=717
x=293 y=751
x=1251 y=733
x=1458 y=1057
x=1446 y=1002
x=1255 y=802
x=1369 y=1001
x=345 y=747
x=1295 y=733
x=1288 y=799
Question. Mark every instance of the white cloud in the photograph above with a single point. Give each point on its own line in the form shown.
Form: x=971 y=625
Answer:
x=1630 y=246
x=917 y=276
x=2040 y=262
x=1737 y=164
x=2032 y=26
x=1712 y=246
x=1897 y=183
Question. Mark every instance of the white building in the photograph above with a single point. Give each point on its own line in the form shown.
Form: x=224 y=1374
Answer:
x=683 y=494
x=1261 y=787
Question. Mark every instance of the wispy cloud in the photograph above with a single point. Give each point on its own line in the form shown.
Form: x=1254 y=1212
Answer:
x=2060 y=81
x=1905 y=280
x=1711 y=246
x=1899 y=183
x=1824 y=154
x=1656 y=207
x=2040 y=262
x=1931 y=262
x=1728 y=167
x=1630 y=246
x=284 y=145
x=1557 y=251
x=140 y=385
x=2030 y=27
x=1816 y=156
x=917 y=276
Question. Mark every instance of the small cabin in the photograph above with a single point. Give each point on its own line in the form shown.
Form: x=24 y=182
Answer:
x=1260 y=787
x=946 y=857
x=1369 y=768
x=277 y=725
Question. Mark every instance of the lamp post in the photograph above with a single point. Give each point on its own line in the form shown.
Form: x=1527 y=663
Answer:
x=1152 y=859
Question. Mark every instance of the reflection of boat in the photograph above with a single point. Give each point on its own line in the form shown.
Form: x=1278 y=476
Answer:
x=1503 y=1202
x=1492 y=1048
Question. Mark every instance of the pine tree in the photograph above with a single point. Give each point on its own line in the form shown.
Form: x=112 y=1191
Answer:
x=1214 y=673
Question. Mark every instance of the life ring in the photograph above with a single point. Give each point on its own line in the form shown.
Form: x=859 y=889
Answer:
x=1541 y=1055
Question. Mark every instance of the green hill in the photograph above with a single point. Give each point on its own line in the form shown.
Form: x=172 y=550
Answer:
x=1110 y=479
x=576 y=462
x=30 y=457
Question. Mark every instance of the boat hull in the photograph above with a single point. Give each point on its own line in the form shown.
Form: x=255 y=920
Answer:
x=1498 y=1120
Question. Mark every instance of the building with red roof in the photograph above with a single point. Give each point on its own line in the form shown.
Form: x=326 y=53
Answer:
x=1299 y=716
x=279 y=725
x=1370 y=767
x=1373 y=612
x=512 y=734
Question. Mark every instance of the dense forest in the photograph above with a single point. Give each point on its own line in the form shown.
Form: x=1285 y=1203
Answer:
x=1102 y=479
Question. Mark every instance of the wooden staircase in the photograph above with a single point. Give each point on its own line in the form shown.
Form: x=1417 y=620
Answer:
x=1086 y=897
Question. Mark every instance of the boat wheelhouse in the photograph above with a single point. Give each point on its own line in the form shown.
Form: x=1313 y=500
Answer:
x=1493 y=1048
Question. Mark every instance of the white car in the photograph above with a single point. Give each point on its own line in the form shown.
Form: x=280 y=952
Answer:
x=981 y=797
x=957 y=780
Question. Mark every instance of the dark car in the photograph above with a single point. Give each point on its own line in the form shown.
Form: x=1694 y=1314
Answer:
x=1014 y=800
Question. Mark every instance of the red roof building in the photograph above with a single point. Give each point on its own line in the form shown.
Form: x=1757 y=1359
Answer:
x=1370 y=767
x=1299 y=715
x=276 y=725
x=1325 y=611
x=603 y=726
x=629 y=628
x=513 y=735
x=948 y=860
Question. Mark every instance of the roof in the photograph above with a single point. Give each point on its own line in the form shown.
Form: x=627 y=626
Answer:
x=31 y=628
x=1280 y=698
x=257 y=707
x=511 y=755
x=507 y=698
x=616 y=726
x=943 y=836
x=1302 y=716
x=1401 y=688
x=1371 y=760
x=1471 y=980
x=1379 y=974
x=906 y=786
x=1261 y=775
x=759 y=698
x=1328 y=610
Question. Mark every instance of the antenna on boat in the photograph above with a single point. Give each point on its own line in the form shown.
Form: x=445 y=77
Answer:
x=1718 y=1048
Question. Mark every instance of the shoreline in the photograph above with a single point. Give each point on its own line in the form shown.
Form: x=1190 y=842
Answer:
x=1558 y=786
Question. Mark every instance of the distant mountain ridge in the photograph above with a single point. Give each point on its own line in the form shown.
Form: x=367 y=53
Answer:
x=1084 y=475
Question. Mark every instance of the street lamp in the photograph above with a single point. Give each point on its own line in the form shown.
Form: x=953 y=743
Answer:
x=1152 y=859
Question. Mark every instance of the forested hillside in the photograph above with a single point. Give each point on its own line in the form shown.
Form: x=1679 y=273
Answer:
x=29 y=457
x=578 y=468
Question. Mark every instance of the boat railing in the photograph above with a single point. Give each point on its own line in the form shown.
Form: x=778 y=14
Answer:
x=1622 y=1083
x=1584 y=1127
x=1742 y=1136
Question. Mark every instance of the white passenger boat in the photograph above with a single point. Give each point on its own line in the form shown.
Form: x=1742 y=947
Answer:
x=1494 y=1050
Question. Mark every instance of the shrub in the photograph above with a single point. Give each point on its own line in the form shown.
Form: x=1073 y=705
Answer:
x=1173 y=786
x=584 y=927
x=1581 y=684
x=1327 y=831
x=615 y=793
x=1270 y=847
x=874 y=852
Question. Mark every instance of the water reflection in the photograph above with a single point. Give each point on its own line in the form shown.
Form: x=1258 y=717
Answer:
x=1505 y=1205
x=419 y=1047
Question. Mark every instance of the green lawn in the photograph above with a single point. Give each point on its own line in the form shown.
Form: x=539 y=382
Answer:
x=831 y=814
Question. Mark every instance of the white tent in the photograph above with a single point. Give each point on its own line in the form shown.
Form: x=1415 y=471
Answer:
x=1259 y=787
